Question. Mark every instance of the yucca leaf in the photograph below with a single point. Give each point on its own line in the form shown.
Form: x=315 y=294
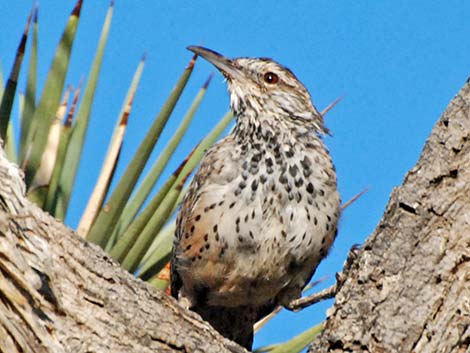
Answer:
x=39 y=187
x=169 y=229
x=159 y=283
x=44 y=173
x=126 y=241
x=106 y=221
x=296 y=344
x=20 y=103
x=8 y=95
x=109 y=165
x=30 y=94
x=152 y=177
x=44 y=113
x=160 y=216
x=54 y=191
x=1 y=83
x=158 y=254
x=157 y=221
x=162 y=279
x=10 y=148
x=38 y=194
x=77 y=136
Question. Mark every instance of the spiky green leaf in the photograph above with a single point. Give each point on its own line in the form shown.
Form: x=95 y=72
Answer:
x=106 y=221
x=44 y=114
x=110 y=162
x=296 y=344
x=131 y=234
x=158 y=254
x=8 y=95
x=77 y=136
x=30 y=94
x=10 y=148
x=54 y=190
x=39 y=187
x=152 y=177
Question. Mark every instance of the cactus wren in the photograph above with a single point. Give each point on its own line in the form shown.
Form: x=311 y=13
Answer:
x=263 y=208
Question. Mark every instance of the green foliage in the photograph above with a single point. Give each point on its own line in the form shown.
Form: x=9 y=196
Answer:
x=50 y=148
x=30 y=96
x=109 y=215
x=8 y=94
x=77 y=135
x=143 y=191
x=46 y=109
x=296 y=344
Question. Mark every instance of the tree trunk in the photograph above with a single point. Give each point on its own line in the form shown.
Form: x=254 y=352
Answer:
x=408 y=290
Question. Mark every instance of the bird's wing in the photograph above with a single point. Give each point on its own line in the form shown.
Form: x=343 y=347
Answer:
x=216 y=169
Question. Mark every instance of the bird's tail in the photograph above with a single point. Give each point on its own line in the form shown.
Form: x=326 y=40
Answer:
x=235 y=323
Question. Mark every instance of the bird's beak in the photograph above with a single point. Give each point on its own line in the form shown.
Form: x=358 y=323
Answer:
x=223 y=64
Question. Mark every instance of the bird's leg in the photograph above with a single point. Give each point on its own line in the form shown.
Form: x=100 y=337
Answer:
x=330 y=292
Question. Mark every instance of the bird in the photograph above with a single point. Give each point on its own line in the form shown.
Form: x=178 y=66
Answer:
x=263 y=208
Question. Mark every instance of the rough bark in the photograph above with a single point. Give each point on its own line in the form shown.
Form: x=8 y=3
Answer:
x=59 y=293
x=409 y=289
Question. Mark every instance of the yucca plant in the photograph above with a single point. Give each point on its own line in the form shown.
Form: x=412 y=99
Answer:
x=51 y=138
x=52 y=135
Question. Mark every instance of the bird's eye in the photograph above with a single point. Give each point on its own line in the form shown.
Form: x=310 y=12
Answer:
x=271 y=77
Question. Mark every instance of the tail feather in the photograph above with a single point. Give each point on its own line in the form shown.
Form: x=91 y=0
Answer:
x=235 y=324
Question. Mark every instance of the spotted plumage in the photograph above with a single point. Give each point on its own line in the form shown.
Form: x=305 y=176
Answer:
x=262 y=210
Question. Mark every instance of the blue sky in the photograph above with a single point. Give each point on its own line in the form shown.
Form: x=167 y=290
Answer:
x=397 y=65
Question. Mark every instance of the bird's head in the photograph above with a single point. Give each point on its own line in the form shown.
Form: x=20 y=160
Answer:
x=264 y=88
